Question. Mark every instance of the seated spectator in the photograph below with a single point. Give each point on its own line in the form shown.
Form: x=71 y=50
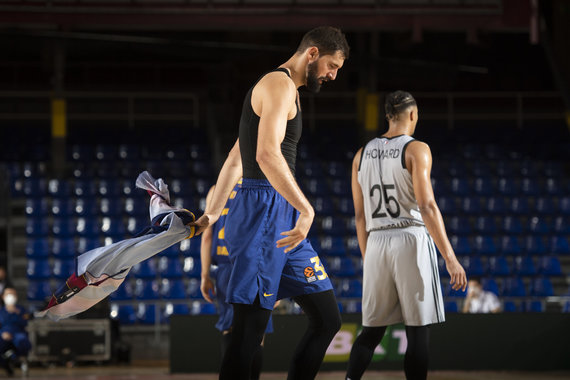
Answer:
x=14 y=340
x=479 y=300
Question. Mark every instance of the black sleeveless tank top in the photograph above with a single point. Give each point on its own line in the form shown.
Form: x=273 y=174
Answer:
x=248 y=128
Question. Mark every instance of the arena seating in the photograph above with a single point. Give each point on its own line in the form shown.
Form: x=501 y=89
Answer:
x=507 y=217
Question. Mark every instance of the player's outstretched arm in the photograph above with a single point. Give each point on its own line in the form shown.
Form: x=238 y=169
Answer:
x=358 y=200
x=418 y=162
x=274 y=96
x=206 y=284
x=229 y=175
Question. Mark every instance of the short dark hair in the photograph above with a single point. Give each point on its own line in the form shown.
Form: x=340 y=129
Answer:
x=327 y=39
x=397 y=102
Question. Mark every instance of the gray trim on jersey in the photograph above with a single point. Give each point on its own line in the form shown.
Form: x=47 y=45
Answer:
x=404 y=153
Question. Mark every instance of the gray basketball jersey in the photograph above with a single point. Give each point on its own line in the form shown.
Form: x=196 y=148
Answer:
x=389 y=199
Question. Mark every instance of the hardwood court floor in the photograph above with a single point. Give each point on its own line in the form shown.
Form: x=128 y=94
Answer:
x=161 y=373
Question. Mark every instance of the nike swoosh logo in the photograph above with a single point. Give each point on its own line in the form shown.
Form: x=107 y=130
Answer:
x=267 y=295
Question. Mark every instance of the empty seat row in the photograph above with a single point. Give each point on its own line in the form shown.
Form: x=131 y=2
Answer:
x=502 y=266
x=500 y=206
x=510 y=245
x=514 y=286
x=508 y=306
x=148 y=314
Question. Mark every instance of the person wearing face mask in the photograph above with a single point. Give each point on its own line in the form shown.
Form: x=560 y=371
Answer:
x=14 y=340
x=479 y=300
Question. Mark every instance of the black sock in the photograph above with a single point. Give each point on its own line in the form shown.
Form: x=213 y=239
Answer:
x=257 y=363
x=417 y=353
x=324 y=323
x=248 y=327
x=225 y=341
x=363 y=350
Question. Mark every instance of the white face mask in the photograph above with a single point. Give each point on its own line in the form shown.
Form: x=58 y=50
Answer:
x=10 y=299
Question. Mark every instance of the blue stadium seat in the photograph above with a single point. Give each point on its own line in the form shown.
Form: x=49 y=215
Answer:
x=549 y=266
x=483 y=186
x=146 y=313
x=505 y=168
x=146 y=289
x=191 y=247
x=332 y=246
x=37 y=248
x=105 y=152
x=480 y=168
x=36 y=208
x=447 y=205
x=484 y=245
x=340 y=267
x=87 y=227
x=553 y=169
x=180 y=309
x=37 y=227
x=108 y=188
x=58 y=188
x=528 y=168
x=337 y=169
x=510 y=245
x=529 y=187
x=473 y=266
x=562 y=225
x=566 y=307
x=350 y=288
x=172 y=289
x=353 y=307
x=192 y=267
x=311 y=169
x=489 y=284
x=81 y=153
x=125 y=314
x=63 y=228
x=524 y=266
x=541 y=287
x=136 y=225
x=135 y=207
x=346 y=206
x=534 y=306
x=34 y=188
x=172 y=252
x=440 y=187
x=450 y=292
x=450 y=307
x=84 y=188
x=129 y=152
x=496 y=205
x=193 y=289
x=123 y=293
x=552 y=187
x=85 y=207
x=461 y=245
x=512 y=225
x=323 y=206
x=207 y=308
x=170 y=267
x=458 y=225
x=545 y=206
x=110 y=207
x=459 y=186
x=510 y=307
x=62 y=207
x=471 y=205
x=38 y=290
x=113 y=227
x=341 y=187
x=202 y=169
x=518 y=206
x=145 y=269
x=498 y=266
x=485 y=225
x=333 y=226
x=539 y=226
x=559 y=245
x=352 y=247
x=127 y=187
x=507 y=186
x=86 y=244
x=62 y=269
x=38 y=269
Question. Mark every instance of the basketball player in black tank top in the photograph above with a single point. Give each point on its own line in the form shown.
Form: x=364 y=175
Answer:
x=265 y=155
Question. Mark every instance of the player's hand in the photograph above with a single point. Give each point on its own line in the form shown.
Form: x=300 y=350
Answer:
x=202 y=223
x=295 y=236
x=207 y=288
x=457 y=273
x=6 y=336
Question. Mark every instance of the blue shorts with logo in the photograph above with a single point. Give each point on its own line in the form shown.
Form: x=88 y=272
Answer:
x=255 y=222
x=225 y=310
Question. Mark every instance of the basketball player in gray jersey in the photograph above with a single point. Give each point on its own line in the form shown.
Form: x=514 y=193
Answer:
x=397 y=222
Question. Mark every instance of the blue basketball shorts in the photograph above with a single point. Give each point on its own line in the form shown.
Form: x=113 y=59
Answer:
x=225 y=309
x=255 y=222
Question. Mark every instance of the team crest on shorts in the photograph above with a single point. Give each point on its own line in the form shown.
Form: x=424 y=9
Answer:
x=309 y=273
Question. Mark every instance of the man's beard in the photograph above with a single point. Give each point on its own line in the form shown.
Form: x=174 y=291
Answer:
x=313 y=84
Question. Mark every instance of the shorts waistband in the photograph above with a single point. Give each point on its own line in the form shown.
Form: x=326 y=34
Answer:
x=253 y=183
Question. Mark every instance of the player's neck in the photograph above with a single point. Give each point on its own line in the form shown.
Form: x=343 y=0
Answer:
x=398 y=129
x=297 y=69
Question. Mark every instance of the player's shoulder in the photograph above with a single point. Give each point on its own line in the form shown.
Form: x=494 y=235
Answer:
x=417 y=147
